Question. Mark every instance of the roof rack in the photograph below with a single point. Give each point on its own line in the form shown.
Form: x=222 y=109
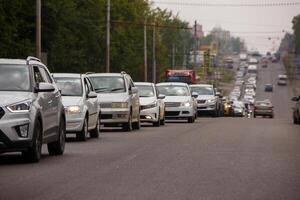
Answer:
x=87 y=73
x=123 y=72
x=31 y=58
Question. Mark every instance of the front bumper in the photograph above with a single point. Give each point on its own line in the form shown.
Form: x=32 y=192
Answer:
x=150 y=115
x=206 y=107
x=74 y=123
x=114 y=115
x=179 y=112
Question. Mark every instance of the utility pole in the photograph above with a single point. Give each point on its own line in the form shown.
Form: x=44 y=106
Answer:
x=195 y=38
x=154 y=55
x=173 y=55
x=38 y=42
x=145 y=53
x=108 y=37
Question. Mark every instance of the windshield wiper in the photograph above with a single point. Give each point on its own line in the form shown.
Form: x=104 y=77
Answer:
x=101 y=89
x=116 y=89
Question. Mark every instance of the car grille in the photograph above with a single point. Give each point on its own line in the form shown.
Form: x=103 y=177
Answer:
x=2 y=112
x=105 y=105
x=172 y=113
x=172 y=104
x=201 y=101
x=106 y=116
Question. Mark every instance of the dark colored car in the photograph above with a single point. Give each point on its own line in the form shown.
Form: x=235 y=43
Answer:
x=296 y=110
x=268 y=88
x=263 y=108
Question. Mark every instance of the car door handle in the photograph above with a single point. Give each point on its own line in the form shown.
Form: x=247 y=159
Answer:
x=49 y=102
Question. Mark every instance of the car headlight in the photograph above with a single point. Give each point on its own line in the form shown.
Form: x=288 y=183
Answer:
x=120 y=105
x=19 y=107
x=73 y=109
x=186 y=104
x=211 y=101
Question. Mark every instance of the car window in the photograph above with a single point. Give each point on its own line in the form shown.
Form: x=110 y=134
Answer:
x=69 y=86
x=108 y=84
x=45 y=75
x=38 y=77
x=173 y=90
x=14 y=78
x=203 y=90
x=145 y=90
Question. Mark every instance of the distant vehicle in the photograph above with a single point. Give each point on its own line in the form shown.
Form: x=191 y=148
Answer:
x=238 y=108
x=253 y=61
x=227 y=109
x=252 y=69
x=263 y=108
x=296 y=110
x=229 y=60
x=31 y=109
x=243 y=57
x=152 y=104
x=264 y=62
x=81 y=105
x=282 y=80
x=268 y=88
x=119 y=100
x=248 y=99
x=181 y=75
x=179 y=101
x=274 y=59
x=208 y=100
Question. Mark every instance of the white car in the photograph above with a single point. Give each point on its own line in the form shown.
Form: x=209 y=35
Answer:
x=152 y=104
x=179 y=101
x=239 y=108
x=250 y=93
x=249 y=99
x=81 y=105
x=119 y=100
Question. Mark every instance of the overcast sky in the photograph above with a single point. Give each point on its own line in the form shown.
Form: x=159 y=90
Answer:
x=254 y=24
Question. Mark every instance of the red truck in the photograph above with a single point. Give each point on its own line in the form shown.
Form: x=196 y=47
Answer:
x=181 y=75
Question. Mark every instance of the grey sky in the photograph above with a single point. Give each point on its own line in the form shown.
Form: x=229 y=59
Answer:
x=241 y=21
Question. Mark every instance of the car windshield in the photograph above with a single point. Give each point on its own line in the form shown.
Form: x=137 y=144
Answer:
x=14 y=78
x=145 y=90
x=238 y=104
x=203 y=90
x=108 y=84
x=173 y=90
x=69 y=86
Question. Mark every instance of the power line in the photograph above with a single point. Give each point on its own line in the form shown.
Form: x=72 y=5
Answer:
x=202 y=4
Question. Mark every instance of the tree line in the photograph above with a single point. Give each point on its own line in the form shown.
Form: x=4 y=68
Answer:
x=74 y=35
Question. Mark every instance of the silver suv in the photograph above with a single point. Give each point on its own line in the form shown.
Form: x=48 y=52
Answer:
x=81 y=105
x=31 y=110
x=119 y=100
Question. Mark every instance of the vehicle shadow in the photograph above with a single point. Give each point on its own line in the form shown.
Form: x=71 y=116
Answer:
x=16 y=159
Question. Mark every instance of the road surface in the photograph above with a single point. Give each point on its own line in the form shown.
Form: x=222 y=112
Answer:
x=214 y=158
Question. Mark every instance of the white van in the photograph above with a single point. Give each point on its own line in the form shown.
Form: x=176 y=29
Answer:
x=252 y=69
x=282 y=80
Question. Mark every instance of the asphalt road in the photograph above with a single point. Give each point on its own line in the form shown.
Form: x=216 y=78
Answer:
x=214 y=158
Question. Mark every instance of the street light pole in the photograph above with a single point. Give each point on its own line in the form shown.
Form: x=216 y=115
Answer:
x=38 y=43
x=145 y=53
x=108 y=37
x=154 y=55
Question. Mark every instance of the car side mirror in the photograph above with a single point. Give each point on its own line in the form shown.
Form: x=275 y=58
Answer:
x=45 y=87
x=133 y=90
x=92 y=95
x=295 y=99
x=195 y=95
x=161 y=96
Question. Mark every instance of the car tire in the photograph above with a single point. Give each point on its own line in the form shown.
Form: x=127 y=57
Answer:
x=83 y=134
x=254 y=116
x=33 y=154
x=191 y=120
x=128 y=126
x=96 y=131
x=58 y=147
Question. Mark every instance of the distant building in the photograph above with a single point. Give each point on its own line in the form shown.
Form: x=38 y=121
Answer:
x=199 y=32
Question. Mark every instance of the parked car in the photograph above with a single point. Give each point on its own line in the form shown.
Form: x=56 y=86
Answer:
x=238 y=108
x=179 y=101
x=282 y=79
x=152 y=104
x=119 y=100
x=208 y=99
x=296 y=110
x=31 y=109
x=81 y=105
x=263 y=108
x=268 y=88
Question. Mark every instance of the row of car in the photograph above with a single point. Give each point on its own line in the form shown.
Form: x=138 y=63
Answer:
x=41 y=108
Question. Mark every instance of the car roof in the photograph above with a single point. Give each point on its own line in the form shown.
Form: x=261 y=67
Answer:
x=144 y=83
x=17 y=61
x=105 y=74
x=201 y=85
x=67 y=75
x=172 y=83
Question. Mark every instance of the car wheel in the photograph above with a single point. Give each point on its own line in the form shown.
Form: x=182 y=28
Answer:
x=128 y=126
x=33 y=154
x=83 y=135
x=96 y=131
x=191 y=120
x=58 y=147
x=254 y=116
